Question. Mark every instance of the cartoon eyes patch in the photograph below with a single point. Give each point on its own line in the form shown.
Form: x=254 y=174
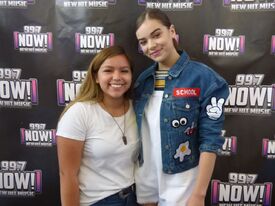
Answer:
x=181 y=122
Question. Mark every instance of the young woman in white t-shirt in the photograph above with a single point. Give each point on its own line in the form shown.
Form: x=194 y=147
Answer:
x=97 y=136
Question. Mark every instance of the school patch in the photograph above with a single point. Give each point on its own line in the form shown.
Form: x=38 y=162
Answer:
x=186 y=92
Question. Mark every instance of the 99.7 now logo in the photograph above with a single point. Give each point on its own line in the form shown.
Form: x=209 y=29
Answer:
x=241 y=190
x=250 y=96
x=67 y=90
x=16 y=92
x=15 y=180
x=33 y=40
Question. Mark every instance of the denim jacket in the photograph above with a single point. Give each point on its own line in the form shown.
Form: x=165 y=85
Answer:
x=191 y=113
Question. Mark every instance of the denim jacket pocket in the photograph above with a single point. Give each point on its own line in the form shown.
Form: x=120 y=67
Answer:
x=185 y=115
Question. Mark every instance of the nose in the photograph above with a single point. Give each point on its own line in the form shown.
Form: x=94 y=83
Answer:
x=151 y=44
x=116 y=75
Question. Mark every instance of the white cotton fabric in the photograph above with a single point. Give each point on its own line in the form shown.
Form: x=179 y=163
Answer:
x=107 y=165
x=153 y=185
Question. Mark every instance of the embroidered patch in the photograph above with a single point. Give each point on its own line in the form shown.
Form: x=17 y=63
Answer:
x=181 y=122
x=214 y=110
x=186 y=92
x=191 y=130
x=182 y=151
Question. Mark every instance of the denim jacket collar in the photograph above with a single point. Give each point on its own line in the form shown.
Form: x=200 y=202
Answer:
x=176 y=69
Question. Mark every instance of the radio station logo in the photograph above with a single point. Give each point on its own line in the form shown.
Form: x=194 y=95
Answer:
x=249 y=96
x=87 y=4
x=15 y=180
x=241 y=190
x=38 y=136
x=268 y=148
x=67 y=90
x=93 y=40
x=32 y=40
x=229 y=147
x=170 y=5
x=273 y=45
x=250 y=5
x=223 y=43
x=16 y=3
x=16 y=92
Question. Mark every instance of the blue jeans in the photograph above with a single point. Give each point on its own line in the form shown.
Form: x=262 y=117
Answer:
x=117 y=199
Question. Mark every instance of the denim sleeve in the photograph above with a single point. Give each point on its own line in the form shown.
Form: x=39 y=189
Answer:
x=212 y=116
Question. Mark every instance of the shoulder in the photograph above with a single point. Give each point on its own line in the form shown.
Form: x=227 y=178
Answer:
x=145 y=74
x=80 y=109
x=206 y=72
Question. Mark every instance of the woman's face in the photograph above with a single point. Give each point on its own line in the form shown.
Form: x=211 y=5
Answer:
x=114 y=77
x=156 y=40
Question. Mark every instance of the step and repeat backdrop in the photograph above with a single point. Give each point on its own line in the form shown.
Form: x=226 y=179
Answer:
x=46 y=47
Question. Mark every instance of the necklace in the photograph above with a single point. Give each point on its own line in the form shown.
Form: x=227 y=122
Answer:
x=124 y=138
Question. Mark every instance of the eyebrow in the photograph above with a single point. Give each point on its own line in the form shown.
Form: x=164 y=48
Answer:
x=157 y=29
x=112 y=67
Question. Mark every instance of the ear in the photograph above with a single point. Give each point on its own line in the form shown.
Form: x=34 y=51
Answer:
x=172 y=30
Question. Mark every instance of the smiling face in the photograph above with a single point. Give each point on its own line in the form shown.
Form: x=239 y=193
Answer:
x=156 y=40
x=114 y=77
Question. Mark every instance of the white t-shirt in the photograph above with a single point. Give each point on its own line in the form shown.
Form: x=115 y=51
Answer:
x=152 y=184
x=107 y=165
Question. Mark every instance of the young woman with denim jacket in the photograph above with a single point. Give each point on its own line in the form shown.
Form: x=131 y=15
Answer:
x=179 y=110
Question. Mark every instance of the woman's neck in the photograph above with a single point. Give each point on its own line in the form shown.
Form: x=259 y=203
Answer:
x=116 y=107
x=170 y=61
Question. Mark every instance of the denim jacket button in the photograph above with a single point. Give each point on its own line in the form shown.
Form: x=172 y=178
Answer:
x=165 y=120
x=170 y=78
x=166 y=96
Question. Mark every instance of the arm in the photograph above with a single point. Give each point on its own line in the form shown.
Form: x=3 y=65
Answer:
x=69 y=158
x=206 y=167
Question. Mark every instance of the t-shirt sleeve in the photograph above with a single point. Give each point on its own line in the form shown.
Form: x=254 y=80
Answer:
x=72 y=124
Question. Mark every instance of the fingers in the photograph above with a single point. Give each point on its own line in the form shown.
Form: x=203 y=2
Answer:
x=214 y=101
x=220 y=102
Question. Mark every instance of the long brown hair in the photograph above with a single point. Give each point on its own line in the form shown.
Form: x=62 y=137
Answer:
x=89 y=89
x=155 y=14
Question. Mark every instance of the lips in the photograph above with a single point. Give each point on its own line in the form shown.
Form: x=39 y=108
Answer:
x=116 y=85
x=155 y=53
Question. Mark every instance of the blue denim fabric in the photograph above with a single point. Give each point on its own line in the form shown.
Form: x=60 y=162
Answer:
x=204 y=133
x=117 y=200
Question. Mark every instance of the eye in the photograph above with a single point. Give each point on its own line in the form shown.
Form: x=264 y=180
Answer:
x=156 y=35
x=183 y=121
x=142 y=43
x=107 y=70
x=175 y=123
x=125 y=70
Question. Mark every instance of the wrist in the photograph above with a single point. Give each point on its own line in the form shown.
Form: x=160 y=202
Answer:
x=199 y=193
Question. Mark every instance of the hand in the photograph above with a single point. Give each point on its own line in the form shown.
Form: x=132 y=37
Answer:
x=196 y=200
x=214 y=110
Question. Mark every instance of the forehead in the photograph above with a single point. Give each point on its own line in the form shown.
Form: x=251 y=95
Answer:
x=118 y=60
x=148 y=26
